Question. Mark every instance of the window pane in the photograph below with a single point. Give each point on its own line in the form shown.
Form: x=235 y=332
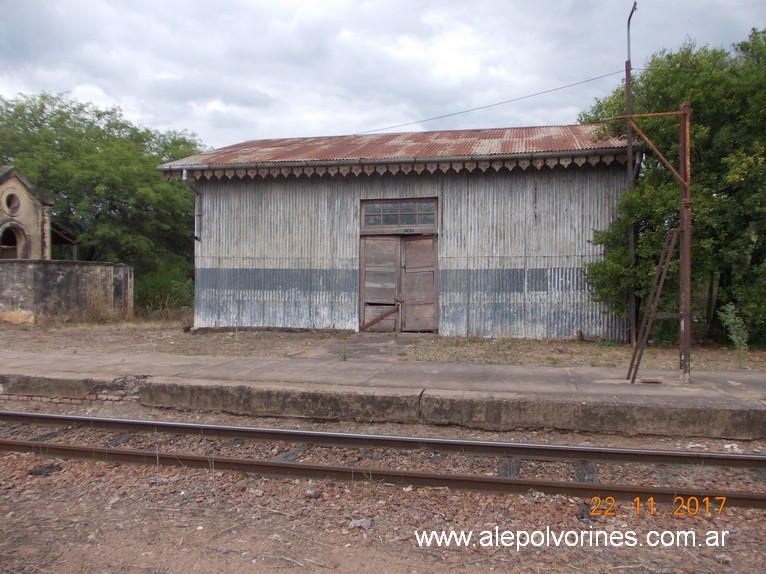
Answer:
x=426 y=218
x=372 y=220
x=371 y=208
x=391 y=219
x=409 y=207
x=391 y=207
x=427 y=207
x=408 y=219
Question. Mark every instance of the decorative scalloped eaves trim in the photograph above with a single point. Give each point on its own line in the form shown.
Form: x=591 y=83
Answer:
x=404 y=168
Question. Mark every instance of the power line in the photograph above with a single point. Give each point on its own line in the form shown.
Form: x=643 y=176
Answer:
x=495 y=104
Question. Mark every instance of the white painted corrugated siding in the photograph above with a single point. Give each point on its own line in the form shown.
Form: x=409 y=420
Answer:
x=512 y=250
x=285 y=252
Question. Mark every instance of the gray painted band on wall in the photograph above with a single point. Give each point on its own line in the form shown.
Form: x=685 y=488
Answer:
x=307 y=280
x=534 y=303
x=347 y=280
x=558 y=279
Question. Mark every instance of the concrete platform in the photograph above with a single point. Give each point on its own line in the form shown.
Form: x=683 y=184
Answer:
x=715 y=404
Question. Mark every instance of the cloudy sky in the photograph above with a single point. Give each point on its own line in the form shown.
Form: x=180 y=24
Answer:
x=234 y=70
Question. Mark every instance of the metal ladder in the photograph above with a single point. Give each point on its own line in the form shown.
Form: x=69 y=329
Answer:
x=653 y=302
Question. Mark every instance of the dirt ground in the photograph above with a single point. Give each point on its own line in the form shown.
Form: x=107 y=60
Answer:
x=166 y=337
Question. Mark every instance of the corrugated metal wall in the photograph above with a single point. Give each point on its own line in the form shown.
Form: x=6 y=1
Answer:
x=513 y=247
x=276 y=254
x=285 y=252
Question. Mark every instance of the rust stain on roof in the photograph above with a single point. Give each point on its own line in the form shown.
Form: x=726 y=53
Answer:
x=415 y=146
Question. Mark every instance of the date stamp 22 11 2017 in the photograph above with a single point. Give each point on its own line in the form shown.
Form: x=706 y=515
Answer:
x=682 y=506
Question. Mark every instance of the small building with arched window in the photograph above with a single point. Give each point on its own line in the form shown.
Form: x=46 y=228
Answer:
x=25 y=218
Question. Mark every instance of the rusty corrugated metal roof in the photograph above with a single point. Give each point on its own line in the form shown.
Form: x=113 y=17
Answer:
x=404 y=147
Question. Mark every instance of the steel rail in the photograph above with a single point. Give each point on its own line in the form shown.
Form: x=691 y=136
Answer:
x=335 y=439
x=385 y=476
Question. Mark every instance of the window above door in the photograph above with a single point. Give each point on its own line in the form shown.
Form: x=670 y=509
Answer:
x=399 y=216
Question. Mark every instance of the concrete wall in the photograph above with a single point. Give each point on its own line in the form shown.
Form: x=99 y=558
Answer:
x=35 y=291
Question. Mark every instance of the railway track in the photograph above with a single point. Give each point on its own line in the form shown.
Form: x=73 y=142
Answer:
x=279 y=468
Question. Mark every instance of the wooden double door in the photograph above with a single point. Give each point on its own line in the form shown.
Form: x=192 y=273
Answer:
x=398 y=283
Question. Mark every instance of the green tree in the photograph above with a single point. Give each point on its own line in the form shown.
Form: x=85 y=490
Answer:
x=728 y=94
x=101 y=171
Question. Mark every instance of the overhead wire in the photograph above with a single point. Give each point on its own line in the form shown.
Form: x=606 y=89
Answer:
x=504 y=102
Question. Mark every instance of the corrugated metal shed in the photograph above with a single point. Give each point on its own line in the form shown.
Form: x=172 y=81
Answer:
x=283 y=242
x=404 y=147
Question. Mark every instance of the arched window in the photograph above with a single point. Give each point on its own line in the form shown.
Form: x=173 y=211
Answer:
x=12 y=243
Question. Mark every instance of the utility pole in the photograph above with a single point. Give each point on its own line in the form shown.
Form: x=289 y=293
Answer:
x=632 y=306
x=686 y=241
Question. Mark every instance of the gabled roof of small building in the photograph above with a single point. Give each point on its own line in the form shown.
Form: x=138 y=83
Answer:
x=8 y=171
x=279 y=156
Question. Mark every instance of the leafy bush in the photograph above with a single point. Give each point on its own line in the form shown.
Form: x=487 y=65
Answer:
x=734 y=325
x=164 y=294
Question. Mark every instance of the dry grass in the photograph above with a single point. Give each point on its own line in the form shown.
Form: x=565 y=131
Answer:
x=555 y=353
x=141 y=336
x=99 y=308
x=144 y=336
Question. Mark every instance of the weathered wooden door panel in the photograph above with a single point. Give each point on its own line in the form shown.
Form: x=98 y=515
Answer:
x=380 y=269
x=399 y=270
x=380 y=281
x=385 y=325
x=418 y=284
